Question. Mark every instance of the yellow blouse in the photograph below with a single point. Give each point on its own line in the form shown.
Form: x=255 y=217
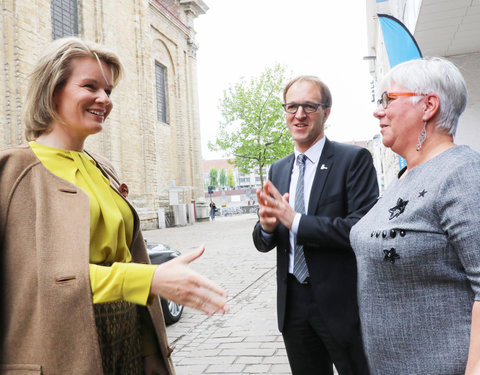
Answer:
x=111 y=228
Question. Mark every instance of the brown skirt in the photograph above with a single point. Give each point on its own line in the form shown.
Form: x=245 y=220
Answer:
x=118 y=331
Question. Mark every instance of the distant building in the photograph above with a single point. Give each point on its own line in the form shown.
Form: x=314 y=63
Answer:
x=249 y=182
x=363 y=144
x=152 y=135
x=242 y=180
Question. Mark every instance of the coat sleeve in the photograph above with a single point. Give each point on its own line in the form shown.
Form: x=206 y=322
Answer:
x=457 y=204
x=360 y=191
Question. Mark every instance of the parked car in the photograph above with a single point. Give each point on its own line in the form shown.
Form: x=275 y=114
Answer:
x=160 y=253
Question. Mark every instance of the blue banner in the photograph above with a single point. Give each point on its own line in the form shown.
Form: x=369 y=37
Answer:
x=400 y=45
x=399 y=42
x=401 y=162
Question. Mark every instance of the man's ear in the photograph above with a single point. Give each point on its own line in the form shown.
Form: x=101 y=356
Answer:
x=431 y=106
x=327 y=113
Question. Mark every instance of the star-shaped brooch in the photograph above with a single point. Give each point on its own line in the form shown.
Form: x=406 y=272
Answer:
x=390 y=255
x=398 y=209
x=422 y=193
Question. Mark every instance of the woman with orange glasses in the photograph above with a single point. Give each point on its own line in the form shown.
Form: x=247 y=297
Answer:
x=418 y=248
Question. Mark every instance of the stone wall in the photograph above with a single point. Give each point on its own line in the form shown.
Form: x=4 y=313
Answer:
x=150 y=156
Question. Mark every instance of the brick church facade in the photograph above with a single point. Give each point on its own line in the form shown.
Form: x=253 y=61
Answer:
x=152 y=135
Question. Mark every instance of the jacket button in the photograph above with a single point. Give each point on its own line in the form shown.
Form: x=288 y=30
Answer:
x=402 y=233
x=123 y=189
x=393 y=233
x=377 y=234
x=384 y=234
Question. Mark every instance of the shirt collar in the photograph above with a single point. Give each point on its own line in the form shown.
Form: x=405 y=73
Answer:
x=314 y=152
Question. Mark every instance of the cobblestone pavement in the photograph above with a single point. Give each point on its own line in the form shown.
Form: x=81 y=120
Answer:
x=245 y=340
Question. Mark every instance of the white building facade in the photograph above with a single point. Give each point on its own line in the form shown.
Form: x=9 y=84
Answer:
x=444 y=28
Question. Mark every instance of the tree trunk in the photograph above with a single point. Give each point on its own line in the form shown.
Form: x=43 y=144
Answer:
x=260 y=172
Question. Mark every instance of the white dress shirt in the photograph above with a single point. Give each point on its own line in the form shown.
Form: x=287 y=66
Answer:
x=311 y=163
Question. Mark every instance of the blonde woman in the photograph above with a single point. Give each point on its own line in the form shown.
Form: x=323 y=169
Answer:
x=79 y=294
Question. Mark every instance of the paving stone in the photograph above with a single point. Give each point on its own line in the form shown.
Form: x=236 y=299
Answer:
x=257 y=369
x=280 y=369
x=246 y=340
x=267 y=338
x=248 y=360
x=190 y=370
x=275 y=359
x=219 y=369
x=248 y=352
x=218 y=360
x=239 y=345
x=272 y=344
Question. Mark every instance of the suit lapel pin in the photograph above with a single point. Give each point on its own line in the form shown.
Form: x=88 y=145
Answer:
x=323 y=166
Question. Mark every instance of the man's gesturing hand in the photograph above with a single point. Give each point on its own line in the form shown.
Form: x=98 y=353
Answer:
x=274 y=208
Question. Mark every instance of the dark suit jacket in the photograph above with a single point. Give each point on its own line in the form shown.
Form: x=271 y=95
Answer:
x=340 y=196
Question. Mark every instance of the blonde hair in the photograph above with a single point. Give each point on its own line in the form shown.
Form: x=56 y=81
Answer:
x=52 y=72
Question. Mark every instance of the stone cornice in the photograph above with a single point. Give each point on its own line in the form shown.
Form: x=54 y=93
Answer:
x=171 y=17
x=197 y=7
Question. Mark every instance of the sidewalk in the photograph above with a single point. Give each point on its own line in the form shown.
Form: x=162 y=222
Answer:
x=246 y=340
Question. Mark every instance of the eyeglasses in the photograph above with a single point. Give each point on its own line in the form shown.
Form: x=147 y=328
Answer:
x=307 y=107
x=386 y=97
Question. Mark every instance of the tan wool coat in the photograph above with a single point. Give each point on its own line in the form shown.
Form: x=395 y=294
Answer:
x=48 y=320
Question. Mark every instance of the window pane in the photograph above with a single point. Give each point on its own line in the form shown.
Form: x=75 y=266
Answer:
x=64 y=18
x=161 y=88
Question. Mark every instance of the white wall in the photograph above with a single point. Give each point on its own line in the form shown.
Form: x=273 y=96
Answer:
x=468 y=131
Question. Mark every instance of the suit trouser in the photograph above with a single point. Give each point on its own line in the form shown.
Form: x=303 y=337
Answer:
x=311 y=348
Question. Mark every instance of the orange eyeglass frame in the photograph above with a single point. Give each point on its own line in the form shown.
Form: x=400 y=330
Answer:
x=393 y=95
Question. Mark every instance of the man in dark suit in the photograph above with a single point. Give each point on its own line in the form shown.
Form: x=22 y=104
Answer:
x=311 y=200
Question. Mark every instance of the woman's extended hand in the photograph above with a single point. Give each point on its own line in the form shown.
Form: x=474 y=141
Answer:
x=175 y=281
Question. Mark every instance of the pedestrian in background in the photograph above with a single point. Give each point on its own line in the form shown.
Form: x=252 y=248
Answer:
x=308 y=205
x=213 y=210
x=79 y=294
x=418 y=248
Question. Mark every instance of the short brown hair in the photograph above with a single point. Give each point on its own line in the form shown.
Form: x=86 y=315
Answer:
x=324 y=90
x=52 y=72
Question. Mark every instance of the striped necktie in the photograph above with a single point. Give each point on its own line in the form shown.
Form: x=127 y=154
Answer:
x=300 y=270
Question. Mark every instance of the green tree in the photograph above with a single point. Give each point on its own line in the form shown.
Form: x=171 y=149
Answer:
x=213 y=177
x=254 y=129
x=222 y=179
x=230 y=178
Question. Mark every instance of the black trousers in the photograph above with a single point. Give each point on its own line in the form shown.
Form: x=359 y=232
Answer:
x=311 y=348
